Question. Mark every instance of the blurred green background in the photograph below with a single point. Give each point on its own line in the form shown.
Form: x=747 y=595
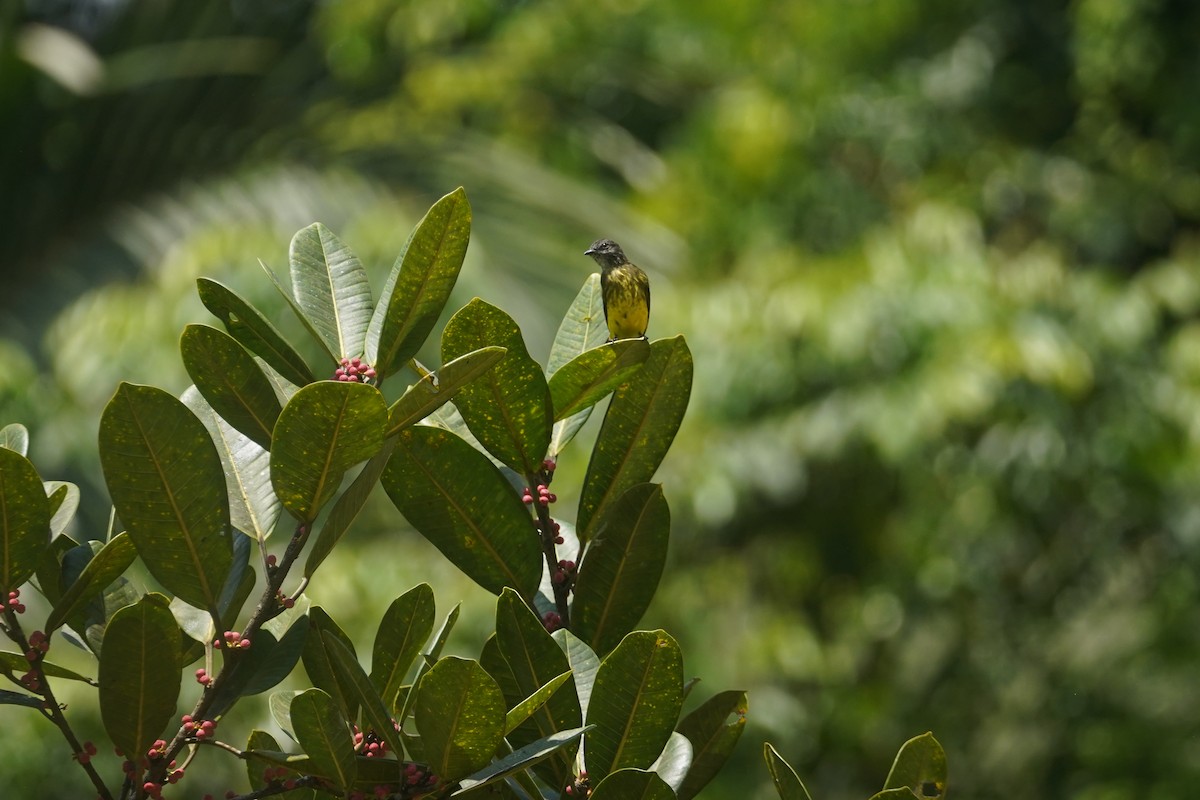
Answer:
x=937 y=262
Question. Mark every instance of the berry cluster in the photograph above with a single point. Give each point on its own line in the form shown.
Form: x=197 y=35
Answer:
x=156 y=752
x=283 y=600
x=418 y=780
x=544 y=496
x=354 y=369
x=232 y=640
x=202 y=677
x=201 y=730
x=552 y=621
x=39 y=645
x=85 y=755
x=14 y=601
x=280 y=776
x=565 y=574
x=370 y=744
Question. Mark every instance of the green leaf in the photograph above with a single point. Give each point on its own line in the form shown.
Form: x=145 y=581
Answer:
x=330 y=287
x=588 y=378
x=635 y=703
x=247 y=324
x=24 y=519
x=674 y=761
x=375 y=715
x=64 y=512
x=430 y=657
x=903 y=793
x=508 y=408
x=582 y=328
x=168 y=486
x=8 y=698
x=139 y=674
x=584 y=664
x=49 y=566
x=434 y=390
x=16 y=662
x=404 y=629
x=622 y=567
x=449 y=492
x=460 y=712
x=632 y=784
x=326 y=428
x=15 y=437
x=420 y=284
x=318 y=663
x=253 y=507
x=520 y=759
x=638 y=429
x=527 y=707
x=261 y=740
x=347 y=508
x=713 y=729
x=231 y=381
x=104 y=568
x=325 y=736
x=784 y=777
x=920 y=766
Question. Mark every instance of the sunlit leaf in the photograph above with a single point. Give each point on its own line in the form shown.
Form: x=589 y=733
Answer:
x=325 y=736
x=15 y=436
x=24 y=519
x=231 y=381
x=331 y=288
x=713 y=729
x=403 y=631
x=784 y=777
x=920 y=766
x=522 y=758
x=460 y=712
x=434 y=390
x=347 y=507
x=589 y=377
x=248 y=325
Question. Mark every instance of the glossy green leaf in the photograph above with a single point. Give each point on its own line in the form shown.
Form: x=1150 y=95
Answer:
x=449 y=492
x=8 y=698
x=460 y=712
x=530 y=705
x=331 y=288
x=253 y=507
x=231 y=381
x=261 y=740
x=622 y=567
x=535 y=660
x=635 y=703
x=920 y=766
x=318 y=663
x=347 y=507
x=11 y=663
x=403 y=631
x=508 y=408
x=139 y=674
x=632 y=784
x=584 y=664
x=247 y=324
x=430 y=657
x=325 y=736
x=64 y=512
x=713 y=729
x=589 y=377
x=522 y=758
x=104 y=568
x=15 y=436
x=375 y=715
x=582 y=328
x=24 y=519
x=434 y=390
x=420 y=284
x=280 y=705
x=638 y=429
x=784 y=777
x=168 y=486
x=49 y=566
x=674 y=761
x=326 y=428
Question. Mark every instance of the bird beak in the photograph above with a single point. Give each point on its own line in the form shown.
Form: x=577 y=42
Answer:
x=588 y=252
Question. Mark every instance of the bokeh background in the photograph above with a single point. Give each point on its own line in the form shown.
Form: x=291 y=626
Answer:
x=937 y=261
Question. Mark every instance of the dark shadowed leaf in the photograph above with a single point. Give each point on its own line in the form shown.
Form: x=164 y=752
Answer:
x=920 y=766
x=247 y=324
x=326 y=428
x=520 y=759
x=347 y=507
x=261 y=740
x=430 y=657
x=330 y=287
x=783 y=776
x=622 y=567
x=403 y=631
x=325 y=736
x=638 y=429
x=8 y=698
x=632 y=784
x=420 y=283
x=104 y=568
x=434 y=390
x=460 y=712
x=168 y=486
x=231 y=381
x=318 y=663
x=11 y=663
x=267 y=662
x=24 y=519
x=139 y=674
x=375 y=716
x=635 y=703
x=713 y=729
x=458 y=501
x=508 y=408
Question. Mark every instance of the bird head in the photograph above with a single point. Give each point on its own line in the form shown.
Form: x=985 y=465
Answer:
x=606 y=253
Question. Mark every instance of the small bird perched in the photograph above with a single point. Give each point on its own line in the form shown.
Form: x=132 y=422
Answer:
x=625 y=289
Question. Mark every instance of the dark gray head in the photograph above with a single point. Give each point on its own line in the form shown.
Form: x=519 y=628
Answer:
x=607 y=253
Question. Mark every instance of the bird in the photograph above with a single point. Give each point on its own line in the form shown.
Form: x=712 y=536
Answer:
x=625 y=289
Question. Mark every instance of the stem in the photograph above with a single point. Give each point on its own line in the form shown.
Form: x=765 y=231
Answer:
x=50 y=707
x=562 y=591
